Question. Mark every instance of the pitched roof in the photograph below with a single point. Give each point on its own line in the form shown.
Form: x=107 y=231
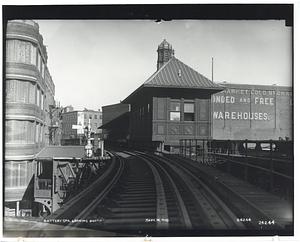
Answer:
x=177 y=74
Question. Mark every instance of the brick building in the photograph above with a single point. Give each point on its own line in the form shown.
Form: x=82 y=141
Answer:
x=253 y=112
x=74 y=123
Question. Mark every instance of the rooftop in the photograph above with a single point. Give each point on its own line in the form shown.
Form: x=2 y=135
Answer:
x=61 y=152
x=177 y=74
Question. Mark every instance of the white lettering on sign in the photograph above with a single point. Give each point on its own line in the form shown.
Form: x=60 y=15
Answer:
x=264 y=101
x=223 y=99
x=269 y=101
x=236 y=91
x=257 y=92
x=244 y=100
x=240 y=116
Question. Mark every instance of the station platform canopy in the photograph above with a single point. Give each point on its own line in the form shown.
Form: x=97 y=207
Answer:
x=61 y=153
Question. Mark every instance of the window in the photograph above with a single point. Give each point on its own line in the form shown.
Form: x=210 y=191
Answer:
x=179 y=114
x=36 y=132
x=31 y=93
x=175 y=111
x=16 y=131
x=40 y=133
x=21 y=51
x=16 y=173
x=38 y=95
x=43 y=69
x=42 y=100
x=20 y=91
x=10 y=96
x=39 y=62
x=189 y=112
x=33 y=55
x=95 y=116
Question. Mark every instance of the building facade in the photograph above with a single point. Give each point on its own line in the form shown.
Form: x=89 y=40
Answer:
x=253 y=112
x=29 y=95
x=74 y=125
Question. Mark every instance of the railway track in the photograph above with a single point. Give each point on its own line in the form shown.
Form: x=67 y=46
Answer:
x=141 y=191
x=155 y=195
x=204 y=209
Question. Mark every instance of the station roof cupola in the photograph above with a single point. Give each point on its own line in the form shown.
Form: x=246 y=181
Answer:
x=165 y=53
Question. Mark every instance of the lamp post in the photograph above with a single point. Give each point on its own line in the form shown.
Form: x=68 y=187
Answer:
x=89 y=147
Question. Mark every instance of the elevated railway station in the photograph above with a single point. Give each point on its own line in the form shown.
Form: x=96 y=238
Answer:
x=146 y=192
x=161 y=172
x=160 y=193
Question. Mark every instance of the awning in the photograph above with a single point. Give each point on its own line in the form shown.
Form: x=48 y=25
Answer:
x=61 y=153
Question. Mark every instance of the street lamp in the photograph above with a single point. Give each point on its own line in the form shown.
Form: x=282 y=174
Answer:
x=89 y=147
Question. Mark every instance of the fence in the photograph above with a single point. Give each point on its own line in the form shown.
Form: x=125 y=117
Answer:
x=252 y=161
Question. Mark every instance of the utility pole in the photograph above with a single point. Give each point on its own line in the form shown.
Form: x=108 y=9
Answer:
x=212 y=69
x=212 y=102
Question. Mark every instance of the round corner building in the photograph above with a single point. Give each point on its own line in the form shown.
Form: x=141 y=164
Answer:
x=29 y=95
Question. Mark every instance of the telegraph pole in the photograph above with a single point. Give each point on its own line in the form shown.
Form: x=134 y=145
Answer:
x=212 y=69
x=212 y=101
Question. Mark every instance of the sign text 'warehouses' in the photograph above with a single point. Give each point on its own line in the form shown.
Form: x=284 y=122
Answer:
x=257 y=99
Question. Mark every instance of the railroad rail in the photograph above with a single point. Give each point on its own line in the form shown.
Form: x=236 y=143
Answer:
x=85 y=200
x=142 y=191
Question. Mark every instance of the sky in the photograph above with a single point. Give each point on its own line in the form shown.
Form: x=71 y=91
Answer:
x=94 y=63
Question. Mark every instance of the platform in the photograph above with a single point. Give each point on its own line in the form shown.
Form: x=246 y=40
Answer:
x=255 y=200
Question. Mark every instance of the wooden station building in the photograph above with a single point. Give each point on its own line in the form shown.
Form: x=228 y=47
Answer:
x=172 y=104
x=177 y=102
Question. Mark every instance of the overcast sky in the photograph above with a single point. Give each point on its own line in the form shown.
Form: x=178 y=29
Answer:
x=98 y=63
